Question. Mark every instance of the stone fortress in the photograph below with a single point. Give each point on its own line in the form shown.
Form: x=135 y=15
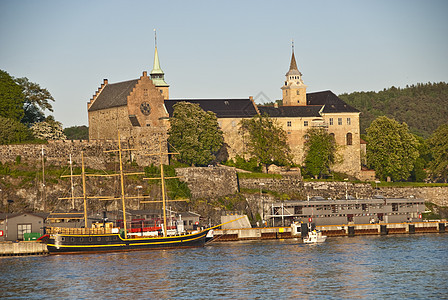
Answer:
x=140 y=110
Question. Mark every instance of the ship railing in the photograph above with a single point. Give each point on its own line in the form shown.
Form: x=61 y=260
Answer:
x=78 y=231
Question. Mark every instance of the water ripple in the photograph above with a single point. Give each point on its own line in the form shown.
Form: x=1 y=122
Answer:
x=385 y=267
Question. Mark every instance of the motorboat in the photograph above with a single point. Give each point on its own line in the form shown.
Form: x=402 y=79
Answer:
x=314 y=236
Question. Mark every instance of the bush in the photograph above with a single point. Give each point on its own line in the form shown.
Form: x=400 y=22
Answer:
x=251 y=165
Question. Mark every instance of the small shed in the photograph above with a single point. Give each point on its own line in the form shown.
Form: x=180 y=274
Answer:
x=16 y=225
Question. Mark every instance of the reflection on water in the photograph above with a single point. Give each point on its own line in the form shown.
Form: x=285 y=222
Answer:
x=407 y=266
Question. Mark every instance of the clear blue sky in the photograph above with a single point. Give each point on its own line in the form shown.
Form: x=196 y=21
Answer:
x=216 y=49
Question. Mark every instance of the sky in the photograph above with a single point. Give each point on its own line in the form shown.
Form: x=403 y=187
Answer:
x=221 y=49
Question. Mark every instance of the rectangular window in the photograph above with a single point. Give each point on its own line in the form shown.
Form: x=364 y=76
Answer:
x=305 y=123
x=339 y=121
x=331 y=121
x=288 y=124
x=21 y=229
x=349 y=122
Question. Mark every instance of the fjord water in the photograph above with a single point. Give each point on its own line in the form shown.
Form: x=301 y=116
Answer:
x=368 y=267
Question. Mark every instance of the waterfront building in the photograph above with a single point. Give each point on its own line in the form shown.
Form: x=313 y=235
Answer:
x=322 y=211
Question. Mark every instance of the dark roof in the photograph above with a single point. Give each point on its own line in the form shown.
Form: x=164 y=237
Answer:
x=332 y=102
x=291 y=111
x=113 y=95
x=223 y=108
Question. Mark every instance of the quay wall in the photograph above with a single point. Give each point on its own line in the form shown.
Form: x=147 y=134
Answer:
x=22 y=248
x=262 y=233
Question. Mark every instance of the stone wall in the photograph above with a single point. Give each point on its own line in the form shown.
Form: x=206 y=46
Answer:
x=338 y=190
x=58 y=152
x=209 y=182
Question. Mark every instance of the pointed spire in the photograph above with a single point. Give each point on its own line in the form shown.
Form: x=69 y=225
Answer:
x=293 y=65
x=157 y=75
x=156 y=69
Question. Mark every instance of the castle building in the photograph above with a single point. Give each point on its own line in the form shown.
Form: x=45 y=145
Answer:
x=140 y=109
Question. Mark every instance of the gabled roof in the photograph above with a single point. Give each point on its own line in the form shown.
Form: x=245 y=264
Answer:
x=223 y=108
x=113 y=95
x=291 y=111
x=332 y=102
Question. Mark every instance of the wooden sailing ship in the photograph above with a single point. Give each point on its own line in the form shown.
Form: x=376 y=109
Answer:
x=104 y=237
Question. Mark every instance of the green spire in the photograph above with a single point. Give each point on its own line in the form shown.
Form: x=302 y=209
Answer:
x=157 y=75
x=156 y=69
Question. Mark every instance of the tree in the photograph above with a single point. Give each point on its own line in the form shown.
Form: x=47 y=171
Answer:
x=391 y=149
x=36 y=101
x=12 y=131
x=320 y=152
x=438 y=144
x=77 y=132
x=48 y=130
x=195 y=134
x=11 y=98
x=266 y=141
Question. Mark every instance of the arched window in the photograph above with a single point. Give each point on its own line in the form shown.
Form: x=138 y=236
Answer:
x=349 y=139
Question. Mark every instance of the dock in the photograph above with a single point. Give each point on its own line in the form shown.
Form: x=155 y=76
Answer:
x=264 y=233
x=23 y=248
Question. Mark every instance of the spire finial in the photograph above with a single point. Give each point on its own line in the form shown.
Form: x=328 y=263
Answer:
x=155 y=37
x=292 y=45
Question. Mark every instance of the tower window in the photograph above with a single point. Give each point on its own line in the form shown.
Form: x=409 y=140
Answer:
x=339 y=121
x=288 y=124
x=298 y=92
x=349 y=139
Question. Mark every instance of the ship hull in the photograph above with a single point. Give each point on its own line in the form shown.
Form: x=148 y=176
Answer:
x=70 y=243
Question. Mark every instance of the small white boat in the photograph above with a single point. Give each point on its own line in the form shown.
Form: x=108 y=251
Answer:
x=315 y=236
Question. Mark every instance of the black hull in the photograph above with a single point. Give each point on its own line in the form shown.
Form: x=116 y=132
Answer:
x=70 y=244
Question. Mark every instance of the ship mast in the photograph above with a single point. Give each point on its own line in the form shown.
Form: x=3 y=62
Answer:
x=122 y=185
x=84 y=196
x=163 y=191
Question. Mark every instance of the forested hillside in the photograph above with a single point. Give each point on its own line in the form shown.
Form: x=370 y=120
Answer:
x=424 y=107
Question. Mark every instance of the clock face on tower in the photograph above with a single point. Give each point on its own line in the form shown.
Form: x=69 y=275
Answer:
x=145 y=108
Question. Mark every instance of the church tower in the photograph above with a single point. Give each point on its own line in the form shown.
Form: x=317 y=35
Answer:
x=294 y=90
x=157 y=75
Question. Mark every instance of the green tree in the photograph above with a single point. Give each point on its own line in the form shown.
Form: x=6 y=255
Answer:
x=195 y=134
x=36 y=101
x=320 y=152
x=12 y=131
x=266 y=141
x=419 y=173
x=11 y=97
x=391 y=149
x=438 y=145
